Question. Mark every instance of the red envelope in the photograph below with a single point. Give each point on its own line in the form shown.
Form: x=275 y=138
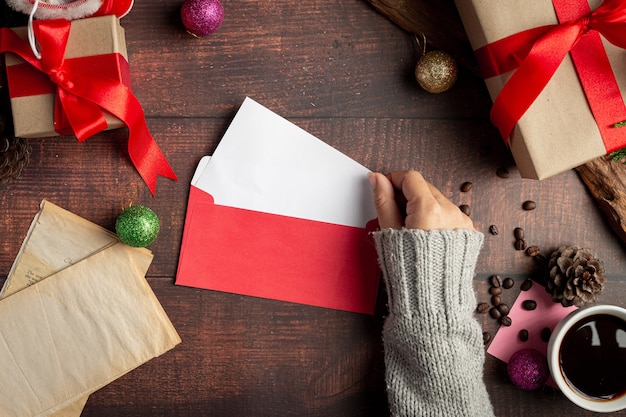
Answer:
x=277 y=257
x=234 y=246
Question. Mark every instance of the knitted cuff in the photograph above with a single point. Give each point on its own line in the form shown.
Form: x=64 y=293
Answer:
x=429 y=273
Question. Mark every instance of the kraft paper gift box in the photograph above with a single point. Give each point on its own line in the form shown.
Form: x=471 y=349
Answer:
x=80 y=81
x=561 y=129
x=96 y=47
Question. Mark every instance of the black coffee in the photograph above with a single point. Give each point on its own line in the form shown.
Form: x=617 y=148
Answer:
x=593 y=357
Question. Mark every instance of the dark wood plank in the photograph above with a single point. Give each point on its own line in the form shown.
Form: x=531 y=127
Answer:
x=233 y=361
x=425 y=19
x=300 y=58
x=92 y=178
x=344 y=72
x=249 y=356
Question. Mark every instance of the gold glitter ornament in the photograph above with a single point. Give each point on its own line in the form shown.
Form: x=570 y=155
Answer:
x=436 y=71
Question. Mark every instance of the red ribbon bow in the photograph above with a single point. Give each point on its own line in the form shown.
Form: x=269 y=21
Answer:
x=80 y=98
x=538 y=52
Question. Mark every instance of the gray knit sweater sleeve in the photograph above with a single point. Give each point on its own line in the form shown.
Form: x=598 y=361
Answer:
x=434 y=352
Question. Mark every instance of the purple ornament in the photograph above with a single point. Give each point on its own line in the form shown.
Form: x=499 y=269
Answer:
x=528 y=369
x=202 y=17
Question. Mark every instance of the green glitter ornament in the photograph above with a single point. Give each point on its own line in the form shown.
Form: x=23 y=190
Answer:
x=137 y=226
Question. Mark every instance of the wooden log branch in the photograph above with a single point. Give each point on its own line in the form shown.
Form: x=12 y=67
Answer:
x=606 y=181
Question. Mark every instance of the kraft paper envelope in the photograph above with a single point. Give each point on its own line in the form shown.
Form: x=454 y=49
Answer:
x=74 y=331
x=276 y=213
x=56 y=240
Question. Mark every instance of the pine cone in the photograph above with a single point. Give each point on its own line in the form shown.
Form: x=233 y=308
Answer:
x=14 y=156
x=575 y=276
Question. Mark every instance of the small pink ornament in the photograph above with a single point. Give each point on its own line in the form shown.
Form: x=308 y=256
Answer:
x=202 y=17
x=528 y=369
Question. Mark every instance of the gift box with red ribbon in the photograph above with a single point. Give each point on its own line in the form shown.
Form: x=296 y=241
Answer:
x=80 y=85
x=556 y=71
x=95 y=47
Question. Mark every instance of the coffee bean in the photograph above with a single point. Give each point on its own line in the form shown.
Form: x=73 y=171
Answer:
x=465 y=209
x=508 y=283
x=486 y=337
x=518 y=232
x=503 y=172
x=493 y=229
x=529 y=304
x=526 y=285
x=505 y=321
x=482 y=308
x=529 y=205
x=503 y=309
x=466 y=186
x=520 y=244
x=495 y=313
x=495 y=290
x=495 y=281
x=545 y=334
x=523 y=335
x=532 y=251
x=496 y=300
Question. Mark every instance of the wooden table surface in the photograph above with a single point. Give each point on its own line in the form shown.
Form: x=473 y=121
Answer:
x=344 y=72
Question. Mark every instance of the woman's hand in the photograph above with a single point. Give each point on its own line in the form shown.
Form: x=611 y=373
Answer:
x=426 y=208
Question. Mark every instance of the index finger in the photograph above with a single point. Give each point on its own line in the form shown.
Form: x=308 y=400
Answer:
x=413 y=185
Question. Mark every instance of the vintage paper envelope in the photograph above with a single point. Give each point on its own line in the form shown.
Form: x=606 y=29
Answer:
x=75 y=409
x=78 y=329
x=56 y=240
x=277 y=213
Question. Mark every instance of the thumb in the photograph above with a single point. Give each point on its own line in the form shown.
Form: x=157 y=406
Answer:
x=384 y=200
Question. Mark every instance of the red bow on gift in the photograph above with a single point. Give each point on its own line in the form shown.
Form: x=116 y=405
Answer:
x=81 y=98
x=535 y=55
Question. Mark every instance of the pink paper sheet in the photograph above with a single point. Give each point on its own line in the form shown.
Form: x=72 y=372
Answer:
x=547 y=314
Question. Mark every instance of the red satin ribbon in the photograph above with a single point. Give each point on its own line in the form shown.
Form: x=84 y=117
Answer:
x=535 y=55
x=27 y=81
x=81 y=97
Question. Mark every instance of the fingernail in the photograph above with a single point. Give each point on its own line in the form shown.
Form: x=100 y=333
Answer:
x=372 y=179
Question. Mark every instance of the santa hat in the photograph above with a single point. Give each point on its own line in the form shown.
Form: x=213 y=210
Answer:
x=72 y=9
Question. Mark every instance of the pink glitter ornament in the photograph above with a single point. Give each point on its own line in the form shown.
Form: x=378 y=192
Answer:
x=202 y=17
x=528 y=369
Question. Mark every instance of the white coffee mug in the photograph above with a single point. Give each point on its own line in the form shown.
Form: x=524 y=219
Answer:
x=579 y=330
